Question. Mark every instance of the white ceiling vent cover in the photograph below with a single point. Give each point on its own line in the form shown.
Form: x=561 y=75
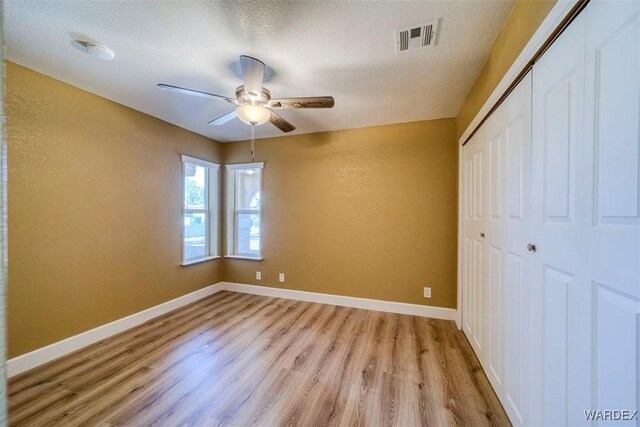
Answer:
x=417 y=36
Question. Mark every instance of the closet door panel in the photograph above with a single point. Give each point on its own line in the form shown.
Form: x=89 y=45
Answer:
x=559 y=176
x=556 y=286
x=493 y=132
x=479 y=260
x=617 y=368
x=500 y=299
x=478 y=190
x=467 y=248
x=559 y=217
x=515 y=168
x=467 y=252
x=467 y=317
x=495 y=309
x=515 y=342
x=613 y=144
x=474 y=263
x=478 y=288
x=496 y=150
x=514 y=116
x=612 y=171
x=468 y=175
x=494 y=351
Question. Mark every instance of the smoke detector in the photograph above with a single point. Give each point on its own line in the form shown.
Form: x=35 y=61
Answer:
x=94 y=49
x=420 y=36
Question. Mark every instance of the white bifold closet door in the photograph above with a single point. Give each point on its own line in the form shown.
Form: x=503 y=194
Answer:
x=551 y=228
x=473 y=245
x=586 y=218
x=507 y=136
x=612 y=172
x=497 y=218
x=560 y=293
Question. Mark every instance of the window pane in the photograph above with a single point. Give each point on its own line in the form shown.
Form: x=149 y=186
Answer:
x=194 y=235
x=195 y=186
x=248 y=234
x=248 y=189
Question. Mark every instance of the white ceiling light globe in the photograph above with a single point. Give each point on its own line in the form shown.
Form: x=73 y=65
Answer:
x=253 y=114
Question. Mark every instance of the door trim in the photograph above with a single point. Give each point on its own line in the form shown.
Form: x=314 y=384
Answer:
x=547 y=32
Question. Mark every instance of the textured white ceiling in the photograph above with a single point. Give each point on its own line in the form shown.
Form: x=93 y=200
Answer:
x=343 y=49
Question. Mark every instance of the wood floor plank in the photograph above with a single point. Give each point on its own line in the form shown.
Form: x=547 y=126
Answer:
x=236 y=359
x=82 y=361
x=260 y=363
x=236 y=349
x=107 y=380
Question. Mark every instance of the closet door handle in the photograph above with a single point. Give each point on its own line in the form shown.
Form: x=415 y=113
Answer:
x=482 y=235
x=531 y=247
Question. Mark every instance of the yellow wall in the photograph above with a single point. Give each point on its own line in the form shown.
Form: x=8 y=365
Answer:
x=365 y=212
x=94 y=210
x=525 y=18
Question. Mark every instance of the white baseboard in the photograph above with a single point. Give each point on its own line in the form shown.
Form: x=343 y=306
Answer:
x=58 y=349
x=344 y=301
x=43 y=355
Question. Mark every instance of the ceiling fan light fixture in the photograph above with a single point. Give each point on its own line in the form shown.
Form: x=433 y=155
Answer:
x=254 y=115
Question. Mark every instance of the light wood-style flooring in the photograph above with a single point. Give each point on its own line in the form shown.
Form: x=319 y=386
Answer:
x=236 y=359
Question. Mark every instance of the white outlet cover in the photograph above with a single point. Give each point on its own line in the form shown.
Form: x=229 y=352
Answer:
x=258 y=275
x=427 y=292
x=281 y=277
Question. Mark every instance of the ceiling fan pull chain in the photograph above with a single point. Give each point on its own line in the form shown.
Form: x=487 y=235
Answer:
x=252 y=144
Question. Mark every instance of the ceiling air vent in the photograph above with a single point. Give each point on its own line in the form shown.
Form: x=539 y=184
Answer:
x=417 y=37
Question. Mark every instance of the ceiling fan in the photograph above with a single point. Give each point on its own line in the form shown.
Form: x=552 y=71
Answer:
x=253 y=100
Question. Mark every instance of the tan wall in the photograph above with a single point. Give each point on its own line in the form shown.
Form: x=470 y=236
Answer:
x=366 y=212
x=94 y=210
x=525 y=18
x=94 y=204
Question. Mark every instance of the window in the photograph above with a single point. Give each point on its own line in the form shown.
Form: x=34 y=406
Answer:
x=244 y=210
x=200 y=210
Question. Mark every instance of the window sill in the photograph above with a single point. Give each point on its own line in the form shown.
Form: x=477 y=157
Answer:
x=199 y=260
x=249 y=258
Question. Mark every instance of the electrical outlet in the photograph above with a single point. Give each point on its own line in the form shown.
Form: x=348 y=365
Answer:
x=258 y=275
x=427 y=292
x=281 y=278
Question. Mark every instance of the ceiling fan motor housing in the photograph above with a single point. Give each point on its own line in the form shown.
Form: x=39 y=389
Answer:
x=244 y=98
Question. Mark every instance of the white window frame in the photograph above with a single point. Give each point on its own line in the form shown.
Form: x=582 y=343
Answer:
x=210 y=211
x=232 y=212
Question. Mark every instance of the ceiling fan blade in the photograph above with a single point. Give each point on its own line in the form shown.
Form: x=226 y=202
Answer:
x=305 y=102
x=253 y=74
x=194 y=92
x=281 y=123
x=224 y=119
